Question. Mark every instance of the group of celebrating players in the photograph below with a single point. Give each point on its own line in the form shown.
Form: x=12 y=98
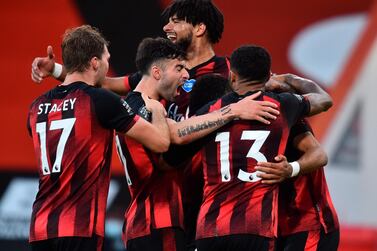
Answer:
x=216 y=151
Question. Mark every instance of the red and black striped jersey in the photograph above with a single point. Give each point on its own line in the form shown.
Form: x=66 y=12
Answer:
x=304 y=201
x=234 y=199
x=155 y=195
x=72 y=130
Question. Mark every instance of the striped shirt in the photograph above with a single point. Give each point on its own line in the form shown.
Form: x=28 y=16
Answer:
x=72 y=131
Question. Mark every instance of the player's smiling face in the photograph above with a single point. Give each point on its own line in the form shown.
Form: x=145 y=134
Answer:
x=174 y=75
x=179 y=31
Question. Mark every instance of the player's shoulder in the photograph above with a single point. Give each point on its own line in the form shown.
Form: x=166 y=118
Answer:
x=135 y=101
x=217 y=63
x=220 y=58
x=94 y=90
x=231 y=97
x=40 y=99
x=103 y=99
x=222 y=61
x=133 y=97
x=97 y=93
x=227 y=99
x=283 y=96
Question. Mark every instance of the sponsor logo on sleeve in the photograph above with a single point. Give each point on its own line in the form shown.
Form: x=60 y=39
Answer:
x=127 y=106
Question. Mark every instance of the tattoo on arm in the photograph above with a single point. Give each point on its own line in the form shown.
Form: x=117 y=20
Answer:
x=224 y=111
x=199 y=127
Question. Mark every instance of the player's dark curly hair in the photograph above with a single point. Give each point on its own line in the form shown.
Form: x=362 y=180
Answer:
x=207 y=88
x=152 y=50
x=251 y=63
x=195 y=12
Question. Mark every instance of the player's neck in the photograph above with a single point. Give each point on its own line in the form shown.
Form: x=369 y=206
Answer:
x=243 y=88
x=199 y=53
x=85 y=77
x=147 y=87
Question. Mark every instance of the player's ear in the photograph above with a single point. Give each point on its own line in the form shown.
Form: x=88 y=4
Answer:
x=94 y=63
x=200 y=29
x=232 y=76
x=232 y=79
x=156 y=72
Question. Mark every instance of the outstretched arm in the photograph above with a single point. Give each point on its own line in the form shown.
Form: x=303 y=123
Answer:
x=197 y=127
x=43 y=67
x=313 y=158
x=115 y=84
x=319 y=99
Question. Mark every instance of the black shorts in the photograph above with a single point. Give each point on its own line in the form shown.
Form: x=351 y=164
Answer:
x=162 y=239
x=235 y=242
x=94 y=243
x=316 y=240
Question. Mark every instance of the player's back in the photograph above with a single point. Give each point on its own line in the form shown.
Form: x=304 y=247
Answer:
x=73 y=151
x=235 y=201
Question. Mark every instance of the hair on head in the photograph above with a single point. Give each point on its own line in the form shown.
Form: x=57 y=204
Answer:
x=151 y=50
x=80 y=45
x=195 y=12
x=251 y=63
x=208 y=88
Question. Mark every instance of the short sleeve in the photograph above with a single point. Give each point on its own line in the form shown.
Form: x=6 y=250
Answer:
x=294 y=106
x=112 y=111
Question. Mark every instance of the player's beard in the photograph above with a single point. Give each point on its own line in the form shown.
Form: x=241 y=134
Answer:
x=185 y=42
x=167 y=92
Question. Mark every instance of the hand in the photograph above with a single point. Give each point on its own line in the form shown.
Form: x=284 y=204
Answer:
x=43 y=67
x=277 y=83
x=249 y=109
x=273 y=173
x=153 y=105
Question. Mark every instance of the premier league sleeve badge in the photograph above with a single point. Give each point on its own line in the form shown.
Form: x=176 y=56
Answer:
x=188 y=85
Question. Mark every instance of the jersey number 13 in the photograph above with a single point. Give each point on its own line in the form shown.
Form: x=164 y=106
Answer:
x=224 y=137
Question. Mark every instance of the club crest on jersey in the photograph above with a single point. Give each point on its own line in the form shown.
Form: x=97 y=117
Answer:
x=188 y=85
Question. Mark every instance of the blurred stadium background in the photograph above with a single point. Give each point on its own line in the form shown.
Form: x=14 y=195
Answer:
x=333 y=42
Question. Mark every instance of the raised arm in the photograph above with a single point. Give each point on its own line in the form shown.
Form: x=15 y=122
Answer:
x=313 y=157
x=197 y=127
x=43 y=67
x=320 y=100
